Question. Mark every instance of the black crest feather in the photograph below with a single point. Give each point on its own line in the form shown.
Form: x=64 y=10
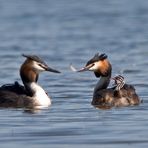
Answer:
x=34 y=58
x=96 y=58
x=103 y=56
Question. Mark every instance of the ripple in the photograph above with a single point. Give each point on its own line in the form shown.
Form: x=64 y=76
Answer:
x=130 y=71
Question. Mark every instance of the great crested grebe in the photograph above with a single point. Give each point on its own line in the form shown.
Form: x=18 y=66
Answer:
x=30 y=95
x=120 y=95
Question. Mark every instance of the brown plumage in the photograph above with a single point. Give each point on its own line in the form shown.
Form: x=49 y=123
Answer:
x=27 y=71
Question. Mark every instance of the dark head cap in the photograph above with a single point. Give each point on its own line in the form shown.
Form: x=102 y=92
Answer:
x=34 y=58
x=97 y=58
x=40 y=64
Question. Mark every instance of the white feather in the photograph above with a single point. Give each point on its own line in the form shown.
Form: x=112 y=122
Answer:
x=40 y=96
x=73 y=68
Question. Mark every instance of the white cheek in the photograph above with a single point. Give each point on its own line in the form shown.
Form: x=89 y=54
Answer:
x=95 y=67
x=37 y=67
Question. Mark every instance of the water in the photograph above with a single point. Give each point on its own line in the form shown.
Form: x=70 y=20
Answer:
x=64 y=32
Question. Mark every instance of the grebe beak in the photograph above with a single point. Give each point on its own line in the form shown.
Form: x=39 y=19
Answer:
x=52 y=70
x=86 y=68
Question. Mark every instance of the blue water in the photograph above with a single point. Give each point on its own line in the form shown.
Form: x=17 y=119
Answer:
x=72 y=31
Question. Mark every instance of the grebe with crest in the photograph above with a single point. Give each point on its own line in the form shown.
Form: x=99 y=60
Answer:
x=31 y=95
x=120 y=95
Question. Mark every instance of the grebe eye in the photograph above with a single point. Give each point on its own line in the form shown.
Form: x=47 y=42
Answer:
x=40 y=64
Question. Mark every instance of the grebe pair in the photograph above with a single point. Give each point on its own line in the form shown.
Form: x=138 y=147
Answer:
x=120 y=95
x=32 y=95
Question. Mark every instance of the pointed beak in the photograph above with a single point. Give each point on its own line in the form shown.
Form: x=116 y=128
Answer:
x=52 y=70
x=86 y=68
x=83 y=69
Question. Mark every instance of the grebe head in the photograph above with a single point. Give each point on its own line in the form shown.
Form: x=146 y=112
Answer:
x=37 y=64
x=99 y=65
x=31 y=68
x=119 y=82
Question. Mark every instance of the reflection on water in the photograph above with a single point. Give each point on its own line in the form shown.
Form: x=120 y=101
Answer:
x=71 y=32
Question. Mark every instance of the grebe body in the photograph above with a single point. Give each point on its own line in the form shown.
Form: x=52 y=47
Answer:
x=31 y=95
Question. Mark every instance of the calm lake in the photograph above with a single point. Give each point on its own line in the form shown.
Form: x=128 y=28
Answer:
x=72 y=31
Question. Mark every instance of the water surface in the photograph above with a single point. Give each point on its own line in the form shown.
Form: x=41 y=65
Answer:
x=64 y=32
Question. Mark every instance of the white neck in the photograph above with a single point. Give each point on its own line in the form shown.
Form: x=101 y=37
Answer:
x=39 y=95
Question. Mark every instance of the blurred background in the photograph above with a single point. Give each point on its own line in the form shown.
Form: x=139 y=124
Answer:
x=72 y=31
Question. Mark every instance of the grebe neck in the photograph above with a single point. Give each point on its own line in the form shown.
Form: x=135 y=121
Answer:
x=28 y=76
x=102 y=83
